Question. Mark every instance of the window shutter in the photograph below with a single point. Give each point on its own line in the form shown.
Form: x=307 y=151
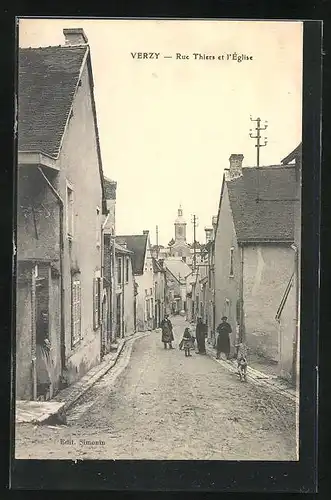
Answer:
x=76 y=312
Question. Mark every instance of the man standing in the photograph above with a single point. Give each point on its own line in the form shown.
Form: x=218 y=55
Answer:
x=223 y=339
x=167 y=333
x=200 y=334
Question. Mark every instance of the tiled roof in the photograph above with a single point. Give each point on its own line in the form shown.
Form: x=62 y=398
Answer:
x=110 y=189
x=262 y=204
x=137 y=244
x=177 y=267
x=47 y=81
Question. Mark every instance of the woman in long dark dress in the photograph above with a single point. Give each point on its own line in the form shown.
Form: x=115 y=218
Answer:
x=167 y=333
x=200 y=336
x=223 y=339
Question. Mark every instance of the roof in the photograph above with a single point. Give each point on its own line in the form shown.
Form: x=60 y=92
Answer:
x=293 y=155
x=157 y=267
x=48 y=77
x=177 y=267
x=138 y=245
x=271 y=217
x=195 y=244
x=110 y=189
x=120 y=249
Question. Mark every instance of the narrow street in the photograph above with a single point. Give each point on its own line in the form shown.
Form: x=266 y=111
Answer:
x=157 y=404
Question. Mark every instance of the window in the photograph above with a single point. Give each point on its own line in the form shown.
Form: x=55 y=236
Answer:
x=231 y=261
x=145 y=291
x=96 y=302
x=97 y=227
x=75 y=311
x=119 y=270
x=127 y=271
x=151 y=291
x=70 y=211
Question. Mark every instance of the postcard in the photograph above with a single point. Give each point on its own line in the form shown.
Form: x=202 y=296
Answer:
x=159 y=175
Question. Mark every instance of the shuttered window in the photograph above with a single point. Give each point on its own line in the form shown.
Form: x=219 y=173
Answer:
x=75 y=311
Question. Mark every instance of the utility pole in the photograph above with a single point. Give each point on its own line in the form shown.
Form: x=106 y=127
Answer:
x=157 y=242
x=195 y=223
x=258 y=144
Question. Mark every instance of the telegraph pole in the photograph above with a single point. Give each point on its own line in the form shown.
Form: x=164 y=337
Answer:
x=258 y=144
x=195 y=223
x=157 y=242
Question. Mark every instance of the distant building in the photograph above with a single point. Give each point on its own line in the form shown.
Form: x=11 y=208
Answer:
x=179 y=247
x=142 y=264
x=177 y=273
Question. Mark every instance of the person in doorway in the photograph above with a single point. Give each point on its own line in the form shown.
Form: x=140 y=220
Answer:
x=223 y=340
x=43 y=356
x=167 y=332
x=187 y=342
x=200 y=334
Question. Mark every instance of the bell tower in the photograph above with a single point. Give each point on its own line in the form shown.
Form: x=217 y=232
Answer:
x=180 y=226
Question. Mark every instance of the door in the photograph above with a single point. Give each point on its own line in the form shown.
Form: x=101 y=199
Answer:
x=118 y=315
x=156 y=316
x=43 y=361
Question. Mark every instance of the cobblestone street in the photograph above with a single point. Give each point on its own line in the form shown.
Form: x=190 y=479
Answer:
x=157 y=404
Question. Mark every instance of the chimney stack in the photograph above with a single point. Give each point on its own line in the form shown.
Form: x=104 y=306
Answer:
x=209 y=234
x=235 y=169
x=75 y=36
x=145 y=231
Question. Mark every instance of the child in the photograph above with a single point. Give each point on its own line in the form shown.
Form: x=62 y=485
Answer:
x=187 y=342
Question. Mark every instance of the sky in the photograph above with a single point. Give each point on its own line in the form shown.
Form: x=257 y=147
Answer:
x=168 y=126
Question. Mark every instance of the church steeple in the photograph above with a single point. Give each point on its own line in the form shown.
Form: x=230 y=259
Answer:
x=180 y=226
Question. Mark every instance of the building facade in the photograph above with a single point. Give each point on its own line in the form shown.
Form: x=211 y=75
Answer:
x=142 y=265
x=254 y=260
x=159 y=292
x=60 y=208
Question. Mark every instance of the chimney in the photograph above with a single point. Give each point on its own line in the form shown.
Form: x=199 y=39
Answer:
x=75 y=36
x=145 y=231
x=209 y=234
x=235 y=169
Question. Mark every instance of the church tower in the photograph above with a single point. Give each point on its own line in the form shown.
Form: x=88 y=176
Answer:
x=180 y=227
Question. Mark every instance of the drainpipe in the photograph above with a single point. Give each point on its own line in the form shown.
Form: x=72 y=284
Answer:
x=296 y=333
x=61 y=210
x=123 y=286
x=113 y=281
x=241 y=295
x=103 y=340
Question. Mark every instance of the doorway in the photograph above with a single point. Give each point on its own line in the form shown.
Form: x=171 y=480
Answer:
x=118 y=315
x=42 y=325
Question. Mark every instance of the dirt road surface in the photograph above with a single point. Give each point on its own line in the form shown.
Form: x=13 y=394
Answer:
x=157 y=404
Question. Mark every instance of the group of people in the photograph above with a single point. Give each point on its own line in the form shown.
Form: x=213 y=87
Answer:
x=188 y=341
